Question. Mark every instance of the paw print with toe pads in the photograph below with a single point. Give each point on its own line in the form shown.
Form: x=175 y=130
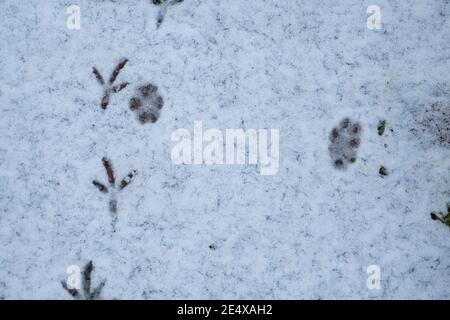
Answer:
x=147 y=103
x=344 y=143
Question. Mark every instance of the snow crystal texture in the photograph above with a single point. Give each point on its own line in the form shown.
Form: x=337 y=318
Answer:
x=225 y=231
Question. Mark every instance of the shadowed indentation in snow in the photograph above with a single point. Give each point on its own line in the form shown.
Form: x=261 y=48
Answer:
x=147 y=103
x=163 y=7
x=344 y=142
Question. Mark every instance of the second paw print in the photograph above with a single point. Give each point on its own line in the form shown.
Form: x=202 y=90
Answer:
x=147 y=103
x=344 y=143
x=112 y=188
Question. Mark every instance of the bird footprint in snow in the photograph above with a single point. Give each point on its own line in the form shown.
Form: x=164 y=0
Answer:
x=111 y=189
x=87 y=293
x=147 y=103
x=109 y=87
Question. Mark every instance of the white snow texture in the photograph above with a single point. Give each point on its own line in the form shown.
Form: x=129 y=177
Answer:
x=225 y=231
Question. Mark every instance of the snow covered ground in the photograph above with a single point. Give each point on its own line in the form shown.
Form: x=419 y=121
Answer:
x=225 y=231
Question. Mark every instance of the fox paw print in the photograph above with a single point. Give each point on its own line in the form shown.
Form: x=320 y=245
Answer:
x=344 y=142
x=147 y=103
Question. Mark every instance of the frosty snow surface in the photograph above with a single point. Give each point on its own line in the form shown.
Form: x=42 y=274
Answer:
x=225 y=232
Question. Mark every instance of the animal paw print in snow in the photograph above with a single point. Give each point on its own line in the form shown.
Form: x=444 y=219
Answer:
x=344 y=143
x=112 y=181
x=147 y=103
x=109 y=88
